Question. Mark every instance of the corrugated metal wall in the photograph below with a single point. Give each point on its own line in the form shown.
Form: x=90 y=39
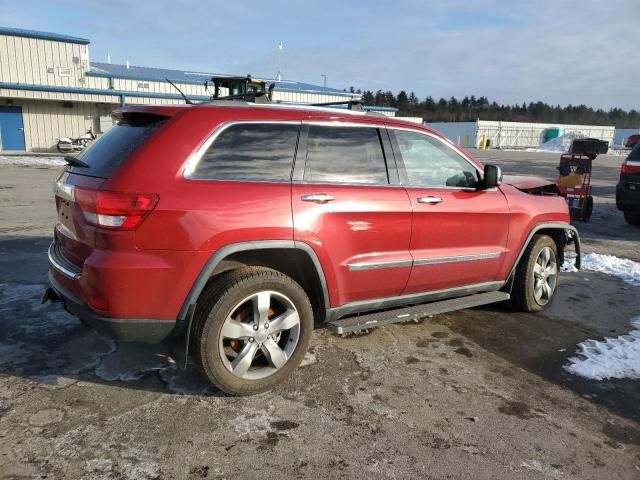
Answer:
x=532 y=135
x=48 y=115
x=45 y=122
x=26 y=60
x=304 y=97
x=462 y=133
x=417 y=120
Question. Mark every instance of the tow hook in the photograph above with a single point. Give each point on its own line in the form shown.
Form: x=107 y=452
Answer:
x=50 y=295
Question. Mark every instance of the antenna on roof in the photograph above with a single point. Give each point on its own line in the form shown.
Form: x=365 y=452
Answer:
x=186 y=99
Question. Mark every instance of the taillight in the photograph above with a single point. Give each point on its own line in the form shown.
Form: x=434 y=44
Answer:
x=114 y=210
x=630 y=168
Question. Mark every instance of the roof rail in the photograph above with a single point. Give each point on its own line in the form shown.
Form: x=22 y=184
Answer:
x=355 y=105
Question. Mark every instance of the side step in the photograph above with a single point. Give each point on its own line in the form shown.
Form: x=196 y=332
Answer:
x=415 y=312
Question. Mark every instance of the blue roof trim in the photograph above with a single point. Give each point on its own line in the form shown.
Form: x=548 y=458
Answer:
x=56 y=37
x=375 y=108
x=112 y=70
x=96 y=91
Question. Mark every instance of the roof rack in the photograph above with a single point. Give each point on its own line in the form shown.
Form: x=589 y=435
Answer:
x=242 y=88
x=355 y=105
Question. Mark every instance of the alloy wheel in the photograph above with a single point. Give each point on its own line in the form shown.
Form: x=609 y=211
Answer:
x=545 y=276
x=259 y=335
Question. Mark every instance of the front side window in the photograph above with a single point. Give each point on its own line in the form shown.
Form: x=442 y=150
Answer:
x=345 y=155
x=250 y=151
x=428 y=162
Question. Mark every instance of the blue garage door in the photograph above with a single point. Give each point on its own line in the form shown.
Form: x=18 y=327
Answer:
x=11 y=128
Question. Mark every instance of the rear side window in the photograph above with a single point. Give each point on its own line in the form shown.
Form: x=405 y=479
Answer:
x=106 y=153
x=634 y=155
x=345 y=155
x=250 y=151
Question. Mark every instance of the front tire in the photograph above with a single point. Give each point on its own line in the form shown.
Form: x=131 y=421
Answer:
x=632 y=218
x=537 y=275
x=251 y=329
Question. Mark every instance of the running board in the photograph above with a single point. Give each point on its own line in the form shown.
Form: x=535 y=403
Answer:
x=415 y=312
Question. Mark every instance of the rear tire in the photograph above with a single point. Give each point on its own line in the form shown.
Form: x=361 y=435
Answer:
x=632 y=218
x=588 y=208
x=251 y=329
x=537 y=275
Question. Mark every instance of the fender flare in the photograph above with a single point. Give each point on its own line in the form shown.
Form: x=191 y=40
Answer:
x=572 y=236
x=187 y=311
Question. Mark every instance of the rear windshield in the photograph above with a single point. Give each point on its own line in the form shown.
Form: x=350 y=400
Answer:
x=106 y=153
x=634 y=156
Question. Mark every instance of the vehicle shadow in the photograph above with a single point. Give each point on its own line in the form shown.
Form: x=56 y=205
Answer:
x=48 y=346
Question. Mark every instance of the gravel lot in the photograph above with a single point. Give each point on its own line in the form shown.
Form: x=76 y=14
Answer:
x=475 y=394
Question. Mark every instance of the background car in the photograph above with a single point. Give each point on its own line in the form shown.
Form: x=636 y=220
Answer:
x=632 y=141
x=628 y=188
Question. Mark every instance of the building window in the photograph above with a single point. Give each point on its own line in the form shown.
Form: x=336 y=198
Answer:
x=64 y=71
x=143 y=85
x=51 y=70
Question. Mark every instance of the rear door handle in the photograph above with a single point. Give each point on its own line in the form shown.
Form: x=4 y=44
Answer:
x=317 y=198
x=430 y=200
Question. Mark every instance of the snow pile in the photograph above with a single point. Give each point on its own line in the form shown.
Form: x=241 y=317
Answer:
x=32 y=160
x=610 y=358
x=559 y=144
x=623 y=268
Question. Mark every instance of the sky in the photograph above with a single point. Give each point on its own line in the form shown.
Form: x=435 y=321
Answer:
x=514 y=51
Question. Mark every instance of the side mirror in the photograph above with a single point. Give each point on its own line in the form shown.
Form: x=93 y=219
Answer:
x=492 y=176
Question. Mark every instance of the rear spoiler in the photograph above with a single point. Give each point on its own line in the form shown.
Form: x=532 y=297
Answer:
x=153 y=113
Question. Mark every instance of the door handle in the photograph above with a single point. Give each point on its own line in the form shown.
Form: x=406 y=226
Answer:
x=317 y=198
x=430 y=200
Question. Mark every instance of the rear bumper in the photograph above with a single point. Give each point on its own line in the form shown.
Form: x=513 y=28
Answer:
x=122 y=329
x=627 y=199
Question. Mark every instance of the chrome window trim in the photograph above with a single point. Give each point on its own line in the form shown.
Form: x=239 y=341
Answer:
x=448 y=145
x=356 y=267
x=346 y=123
x=456 y=258
x=346 y=184
x=196 y=157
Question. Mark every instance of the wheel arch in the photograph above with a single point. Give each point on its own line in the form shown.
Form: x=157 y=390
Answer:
x=561 y=233
x=267 y=253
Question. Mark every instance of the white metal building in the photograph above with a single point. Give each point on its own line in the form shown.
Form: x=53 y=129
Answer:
x=49 y=89
x=514 y=134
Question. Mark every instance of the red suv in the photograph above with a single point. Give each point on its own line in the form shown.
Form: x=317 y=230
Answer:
x=231 y=228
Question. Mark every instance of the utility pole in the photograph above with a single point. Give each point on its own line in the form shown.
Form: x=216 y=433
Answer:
x=279 y=75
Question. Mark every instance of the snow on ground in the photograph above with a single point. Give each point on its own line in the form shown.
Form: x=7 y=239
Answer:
x=612 y=357
x=617 y=357
x=32 y=160
x=623 y=268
